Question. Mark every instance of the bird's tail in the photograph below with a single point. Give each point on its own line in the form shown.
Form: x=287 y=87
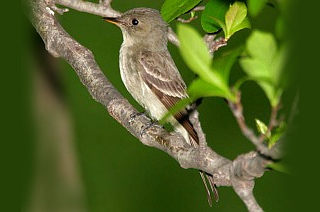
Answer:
x=213 y=188
x=206 y=177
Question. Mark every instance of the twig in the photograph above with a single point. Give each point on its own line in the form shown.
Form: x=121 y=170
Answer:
x=173 y=38
x=187 y=20
x=105 y=3
x=54 y=8
x=198 y=8
x=273 y=122
x=214 y=44
x=102 y=9
x=194 y=119
x=237 y=110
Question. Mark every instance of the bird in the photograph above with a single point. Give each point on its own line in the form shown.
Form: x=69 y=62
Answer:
x=151 y=76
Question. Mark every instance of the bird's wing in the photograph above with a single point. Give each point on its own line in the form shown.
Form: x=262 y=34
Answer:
x=162 y=77
x=161 y=72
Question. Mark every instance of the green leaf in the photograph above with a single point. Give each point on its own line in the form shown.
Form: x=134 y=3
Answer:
x=242 y=80
x=280 y=167
x=196 y=55
x=172 y=9
x=221 y=65
x=277 y=134
x=201 y=88
x=262 y=128
x=264 y=61
x=280 y=27
x=245 y=24
x=262 y=46
x=278 y=63
x=224 y=62
x=235 y=19
x=213 y=16
x=255 y=6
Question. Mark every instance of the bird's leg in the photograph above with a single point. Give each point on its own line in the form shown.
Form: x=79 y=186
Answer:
x=147 y=126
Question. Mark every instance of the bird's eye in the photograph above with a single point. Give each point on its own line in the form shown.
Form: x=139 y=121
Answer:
x=135 y=21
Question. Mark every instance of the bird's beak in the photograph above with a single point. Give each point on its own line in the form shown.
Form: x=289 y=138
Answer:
x=112 y=20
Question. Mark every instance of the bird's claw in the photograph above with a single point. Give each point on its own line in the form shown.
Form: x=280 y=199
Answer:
x=135 y=115
x=146 y=127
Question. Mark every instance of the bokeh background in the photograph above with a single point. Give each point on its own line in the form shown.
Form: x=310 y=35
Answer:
x=80 y=159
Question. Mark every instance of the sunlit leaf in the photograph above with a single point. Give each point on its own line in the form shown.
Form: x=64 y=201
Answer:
x=277 y=134
x=235 y=19
x=262 y=46
x=201 y=88
x=262 y=128
x=264 y=61
x=245 y=24
x=196 y=55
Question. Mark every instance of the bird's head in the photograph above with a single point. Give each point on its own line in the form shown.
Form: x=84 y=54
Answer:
x=141 y=25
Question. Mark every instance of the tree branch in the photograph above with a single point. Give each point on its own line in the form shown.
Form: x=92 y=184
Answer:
x=198 y=8
x=239 y=173
x=101 y=9
x=237 y=110
x=214 y=44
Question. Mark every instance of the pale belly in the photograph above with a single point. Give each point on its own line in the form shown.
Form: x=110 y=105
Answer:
x=146 y=98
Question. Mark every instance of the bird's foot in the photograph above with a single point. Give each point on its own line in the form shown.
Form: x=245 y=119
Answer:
x=135 y=115
x=145 y=128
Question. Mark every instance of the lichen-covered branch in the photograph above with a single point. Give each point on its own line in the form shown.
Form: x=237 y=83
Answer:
x=239 y=173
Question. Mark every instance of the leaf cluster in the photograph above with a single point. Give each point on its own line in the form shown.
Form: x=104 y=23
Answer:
x=262 y=58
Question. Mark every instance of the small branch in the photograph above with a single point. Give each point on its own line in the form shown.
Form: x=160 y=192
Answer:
x=105 y=3
x=173 y=38
x=194 y=119
x=185 y=21
x=237 y=111
x=273 y=122
x=198 y=8
x=214 y=44
x=102 y=9
x=54 y=8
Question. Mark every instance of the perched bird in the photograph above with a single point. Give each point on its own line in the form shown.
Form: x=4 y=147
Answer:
x=150 y=75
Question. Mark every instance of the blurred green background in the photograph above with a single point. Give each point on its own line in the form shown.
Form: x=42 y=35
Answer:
x=80 y=159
